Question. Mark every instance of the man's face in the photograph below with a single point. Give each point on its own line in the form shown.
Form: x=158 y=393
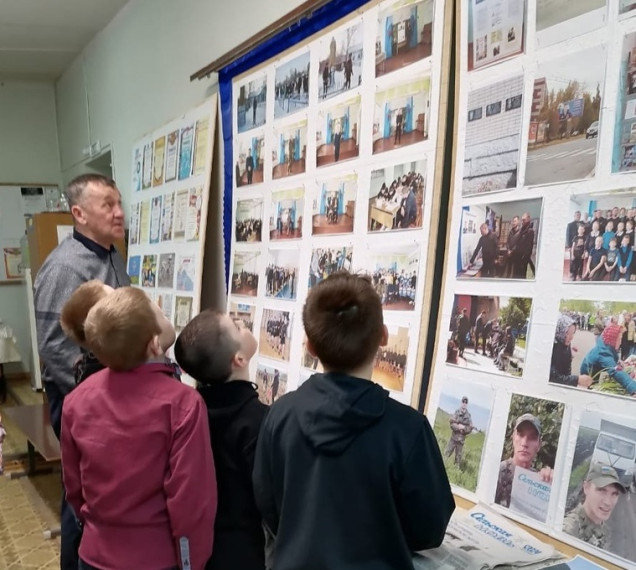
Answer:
x=577 y=216
x=525 y=220
x=515 y=222
x=599 y=501
x=525 y=444
x=484 y=230
x=464 y=404
x=99 y=214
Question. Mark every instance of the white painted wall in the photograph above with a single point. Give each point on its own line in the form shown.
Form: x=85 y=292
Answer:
x=28 y=153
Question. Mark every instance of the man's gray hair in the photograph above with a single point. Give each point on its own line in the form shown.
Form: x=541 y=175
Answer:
x=76 y=187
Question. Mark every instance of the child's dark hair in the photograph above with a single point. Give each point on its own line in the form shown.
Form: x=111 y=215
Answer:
x=343 y=321
x=204 y=350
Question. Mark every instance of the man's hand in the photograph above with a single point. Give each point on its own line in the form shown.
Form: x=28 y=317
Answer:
x=546 y=474
x=585 y=381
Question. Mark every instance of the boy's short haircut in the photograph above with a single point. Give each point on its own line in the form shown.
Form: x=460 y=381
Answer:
x=343 y=321
x=120 y=326
x=76 y=309
x=204 y=350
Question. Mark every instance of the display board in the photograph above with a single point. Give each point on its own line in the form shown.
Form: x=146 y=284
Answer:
x=18 y=202
x=335 y=146
x=532 y=398
x=171 y=185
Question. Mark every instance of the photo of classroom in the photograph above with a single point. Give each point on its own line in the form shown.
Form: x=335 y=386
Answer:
x=291 y=86
x=334 y=206
x=496 y=325
x=286 y=219
x=405 y=35
x=396 y=196
x=274 y=338
x=290 y=150
x=340 y=61
x=499 y=240
x=394 y=275
x=250 y=104
x=599 y=238
x=338 y=132
x=245 y=273
x=271 y=382
x=401 y=115
x=390 y=361
x=248 y=220
x=281 y=273
x=250 y=158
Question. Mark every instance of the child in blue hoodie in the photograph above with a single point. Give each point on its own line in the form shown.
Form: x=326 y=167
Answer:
x=345 y=476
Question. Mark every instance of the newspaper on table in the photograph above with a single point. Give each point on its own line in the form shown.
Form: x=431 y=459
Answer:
x=479 y=539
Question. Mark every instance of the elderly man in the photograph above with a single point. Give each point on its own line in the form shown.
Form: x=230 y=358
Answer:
x=88 y=254
x=601 y=489
x=526 y=442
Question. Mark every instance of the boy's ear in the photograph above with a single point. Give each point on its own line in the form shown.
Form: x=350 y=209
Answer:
x=385 y=336
x=239 y=361
x=310 y=348
x=154 y=347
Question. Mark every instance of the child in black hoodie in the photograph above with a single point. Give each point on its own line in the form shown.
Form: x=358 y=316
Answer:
x=216 y=351
x=344 y=476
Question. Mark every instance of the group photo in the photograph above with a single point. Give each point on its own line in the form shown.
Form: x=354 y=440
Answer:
x=248 y=220
x=495 y=326
x=389 y=366
x=396 y=197
x=340 y=62
x=338 y=132
x=599 y=238
x=244 y=312
x=286 y=219
x=404 y=36
x=290 y=150
x=401 y=115
x=327 y=260
x=245 y=273
x=499 y=240
x=599 y=509
x=275 y=334
x=334 y=206
x=291 y=86
x=271 y=382
x=595 y=346
x=394 y=275
x=281 y=273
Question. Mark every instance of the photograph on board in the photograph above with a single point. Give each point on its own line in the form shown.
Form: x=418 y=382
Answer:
x=308 y=360
x=404 y=34
x=599 y=238
x=461 y=422
x=182 y=312
x=167 y=216
x=396 y=196
x=394 y=275
x=248 y=220
x=146 y=178
x=289 y=153
x=526 y=471
x=159 y=161
x=327 y=260
x=498 y=326
x=334 y=205
x=144 y=222
x=243 y=312
x=274 y=338
x=186 y=143
x=498 y=240
x=156 y=207
x=250 y=158
x=291 y=86
x=164 y=300
x=134 y=224
x=595 y=346
x=400 y=115
x=565 y=118
x=340 y=61
x=186 y=273
x=149 y=271
x=172 y=155
x=251 y=102
x=627 y=7
x=338 y=132
x=134 y=269
x=559 y=20
x=281 y=273
x=286 y=216
x=493 y=137
x=165 y=276
x=271 y=382
x=496 y=31
x=389 y=365
x=600 y=510
x=245 y=273
x=624 y=153
x=193 y=219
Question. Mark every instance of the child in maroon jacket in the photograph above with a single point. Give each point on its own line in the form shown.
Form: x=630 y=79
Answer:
x=136 y=444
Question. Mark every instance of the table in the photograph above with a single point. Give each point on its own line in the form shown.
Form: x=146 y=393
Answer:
x=383 y=216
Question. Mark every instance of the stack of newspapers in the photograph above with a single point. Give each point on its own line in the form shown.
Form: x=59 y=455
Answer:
x=480 y=539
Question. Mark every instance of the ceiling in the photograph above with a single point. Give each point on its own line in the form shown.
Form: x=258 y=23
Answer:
x=40 y=38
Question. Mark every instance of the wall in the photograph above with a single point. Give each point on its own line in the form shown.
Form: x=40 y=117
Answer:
x=136 y=77
x=28 y=153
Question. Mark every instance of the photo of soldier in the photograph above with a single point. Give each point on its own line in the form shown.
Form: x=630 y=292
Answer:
x=461 y=425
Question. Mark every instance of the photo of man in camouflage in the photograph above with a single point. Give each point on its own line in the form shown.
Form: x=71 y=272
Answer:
x=461 y=425
x=601 y=489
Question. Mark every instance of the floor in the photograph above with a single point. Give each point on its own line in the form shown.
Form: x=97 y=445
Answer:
x=28 y=505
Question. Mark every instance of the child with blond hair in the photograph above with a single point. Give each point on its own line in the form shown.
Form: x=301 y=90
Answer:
x=135 y=442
